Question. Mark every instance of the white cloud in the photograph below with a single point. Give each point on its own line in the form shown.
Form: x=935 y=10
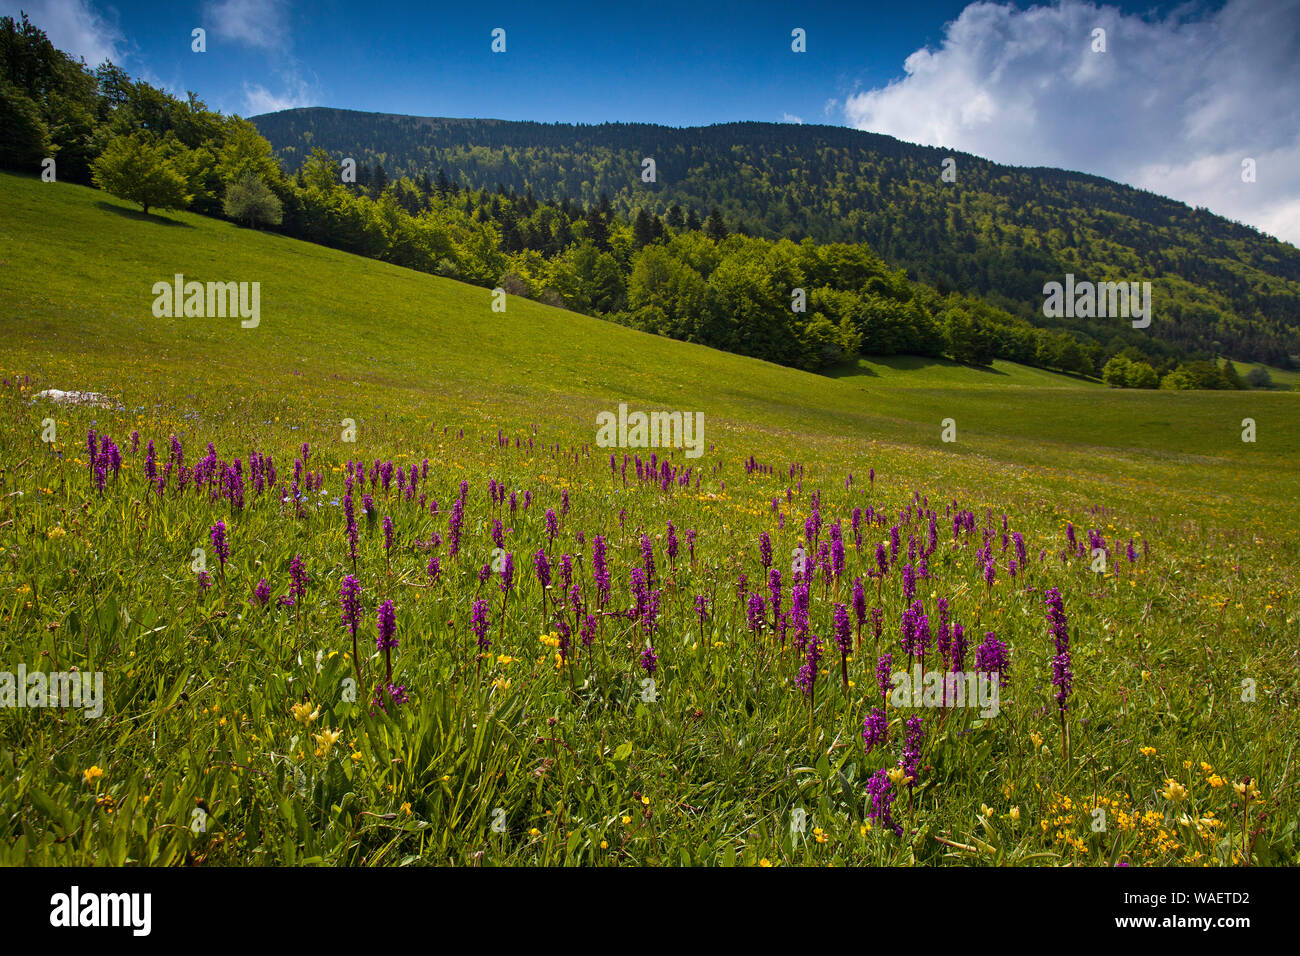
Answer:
x=262 y=25
x=791 y=118
x=1174 y=105
x=258 y=99
x=73 y=27
x=255 y=23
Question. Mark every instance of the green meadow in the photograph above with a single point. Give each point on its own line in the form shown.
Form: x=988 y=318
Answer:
x=1282 y=377
x=228 y=735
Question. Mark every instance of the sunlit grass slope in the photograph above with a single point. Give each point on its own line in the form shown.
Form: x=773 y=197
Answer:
x=364 y=337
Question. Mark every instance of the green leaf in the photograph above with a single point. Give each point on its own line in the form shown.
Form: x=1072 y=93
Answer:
x=46 y=806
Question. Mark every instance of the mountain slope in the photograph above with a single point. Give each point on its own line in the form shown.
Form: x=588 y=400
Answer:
x=998 y=231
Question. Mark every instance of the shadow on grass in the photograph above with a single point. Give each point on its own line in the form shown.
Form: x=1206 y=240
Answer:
x=899 y=363
x=141 y=216
x=1077 y=376
x=915 y=363
x=849 y=370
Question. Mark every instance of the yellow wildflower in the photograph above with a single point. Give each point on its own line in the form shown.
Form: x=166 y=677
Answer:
x=303 y=713
x=1174 y=791
x=325 y=741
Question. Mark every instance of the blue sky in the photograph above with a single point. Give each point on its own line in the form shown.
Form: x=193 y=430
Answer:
x=1181 y=96
x=681 y=64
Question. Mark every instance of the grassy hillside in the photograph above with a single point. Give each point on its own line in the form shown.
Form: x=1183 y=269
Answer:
x=200 y=678
x=80 y=269
x=1282 y=378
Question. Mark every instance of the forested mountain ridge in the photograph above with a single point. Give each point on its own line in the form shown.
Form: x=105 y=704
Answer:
x=998 y=232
